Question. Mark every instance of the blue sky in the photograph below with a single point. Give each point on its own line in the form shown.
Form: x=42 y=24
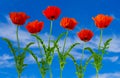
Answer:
x=82 y=11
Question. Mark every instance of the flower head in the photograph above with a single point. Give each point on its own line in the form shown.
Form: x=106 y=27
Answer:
x=102 y=21
x=18 y=18
x=52 y=12
x=35 y=27
x=68 y=23
x=85 y=35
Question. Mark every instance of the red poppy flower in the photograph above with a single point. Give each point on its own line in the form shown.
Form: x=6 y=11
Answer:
x=18 y=18
x=35 y=26
x=68 y=23
x=85 y=35
x=52 y=12
x=102 y=21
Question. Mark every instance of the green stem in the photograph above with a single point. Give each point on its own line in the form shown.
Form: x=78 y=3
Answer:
x=50 y=71
x=65 y=41
x=60 y=73
x=100 y=40
x=18 y=43
x=97 y=73
x=43 y=76
x=83 y=52
x=18 y=75
x=39 y=47
x=50 y=33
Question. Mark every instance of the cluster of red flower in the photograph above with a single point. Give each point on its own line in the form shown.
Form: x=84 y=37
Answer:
x=52 y=13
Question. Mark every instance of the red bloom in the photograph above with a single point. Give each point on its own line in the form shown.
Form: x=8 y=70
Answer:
x=102 y=21
x=85 y=35
x=52 y=12
x=35 y=26
x=68 y=23
x=18 y=18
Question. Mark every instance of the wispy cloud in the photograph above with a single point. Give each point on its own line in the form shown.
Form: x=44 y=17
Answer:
x=8 y=30
x=109 y=75
x=28 y=77
x=112 y=59
x=6 y=61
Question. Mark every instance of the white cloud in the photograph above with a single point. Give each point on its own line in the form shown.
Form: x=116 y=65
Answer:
x=28 y=77
x=30 y=60
x=8 y=30
x=6 y=57
x=112 y=59
x=115 y=44
x=6 y=61
x=109 y=75
x=78 y=55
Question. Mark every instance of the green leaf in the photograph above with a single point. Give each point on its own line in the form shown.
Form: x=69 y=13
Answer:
x=71 y=47
x=10 y=45
x=72 y=57
x=106 y=45
x=29 y=44
x=41 y=41
x=89 y=49
x=60 y=36
x=24 y=65
x=87 y=62
x=49 y=60
x=62 y=64
x=57 y=40
x=59 y=53
x=34 y=56
x=97 y=61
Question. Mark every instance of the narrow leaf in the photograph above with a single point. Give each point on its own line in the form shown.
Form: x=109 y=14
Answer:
x=29 y=44
x=60 y=36
x=71 y=47
x=41 y=41
x=59 y=53
x=88 y=48
x=72 y=57
x=34 y=56
x=87 y=62
x=56 y=41
x=10 y=45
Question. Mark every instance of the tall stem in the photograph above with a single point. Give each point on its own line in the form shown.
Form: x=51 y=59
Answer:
x=50 y=71
x=100 y=39
x=60 y=73
x=65 y=41
x=43 y=76
x=39 y=47
x=18 y=43
x=50 y=33
x=17 y=71
x=18 y=75
x=97 y=73
x=83 y=52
